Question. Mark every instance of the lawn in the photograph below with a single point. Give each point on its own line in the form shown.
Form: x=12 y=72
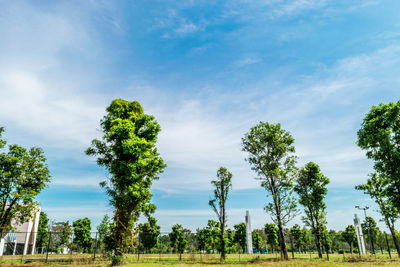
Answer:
x=149 y=260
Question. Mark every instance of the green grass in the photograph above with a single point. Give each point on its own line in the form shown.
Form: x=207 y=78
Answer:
x=172 y=260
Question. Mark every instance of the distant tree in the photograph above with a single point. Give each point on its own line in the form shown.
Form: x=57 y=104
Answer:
x=296 y=233
x=230 y=240
x=23 y=175
x=103 y=232
x=349 y=235
x=82 y=236
x=377 y=188
x=311 y=186
x=149 y=233
x=214 y=228
x=2 y=141
x=178 y=239
x=256 y=240
x=60 y=235
x=43 y=230
x=222 y=185
x=240 y=235
x=304 y=239
x=271 y=156
x=272 y=235
x=370 y=230
x=128 y=152
x=203 y=237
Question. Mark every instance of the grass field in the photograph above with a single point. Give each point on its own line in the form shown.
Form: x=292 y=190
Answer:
x=236 y=260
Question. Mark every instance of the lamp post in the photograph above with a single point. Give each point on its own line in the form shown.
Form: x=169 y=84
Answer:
x=369 y=234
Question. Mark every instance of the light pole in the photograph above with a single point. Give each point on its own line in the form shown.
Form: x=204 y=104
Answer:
x=369 y=234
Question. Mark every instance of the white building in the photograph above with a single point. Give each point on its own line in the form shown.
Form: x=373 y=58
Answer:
x=22 y=239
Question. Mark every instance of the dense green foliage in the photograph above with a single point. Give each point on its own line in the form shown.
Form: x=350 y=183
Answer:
x=270 y=154
x=127 y=150
x=60 y=236
x=43 y=230
x=349 y=235
x=379 y=136
x=272 y=235
x=240 y=236
x=23 y=175
x=256 y=240
x=178 y=239
x=222 y=185
x=82 y=235
x=311 y=186
x=149 y=233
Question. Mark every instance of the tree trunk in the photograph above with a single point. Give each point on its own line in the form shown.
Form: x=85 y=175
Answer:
x=396 y=244
x=318 y=244
x=222 y=242
x=282 y=243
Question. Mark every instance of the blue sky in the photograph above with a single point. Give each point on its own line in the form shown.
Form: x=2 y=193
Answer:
x=208 y=71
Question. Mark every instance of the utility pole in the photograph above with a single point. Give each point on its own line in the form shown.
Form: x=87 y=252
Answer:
x=369 y=233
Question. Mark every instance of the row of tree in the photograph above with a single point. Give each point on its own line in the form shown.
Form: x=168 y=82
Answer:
x=55 y=236
x=127 y=150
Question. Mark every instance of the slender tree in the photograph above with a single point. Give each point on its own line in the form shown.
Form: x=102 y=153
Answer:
x=349 y=235
x=103 y=231
x=377 y=187
x=222 y=185
x=240 y=235
x=23 y=175
x=272 y=235
x=270 y=150
x=178 y=239
x=128 y=152
x=311 y=186
x=43 y=230
x=370 y=230
x=60 y=235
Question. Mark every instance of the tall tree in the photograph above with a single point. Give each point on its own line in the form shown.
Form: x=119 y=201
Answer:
x=380 y=137
x=23 y=175
x=272 y=235
x=240 y=235
x=377 y=188
x=311 y=186
x=349 y=235
x=178 y=239
x=128 y=152
x=149 y=233
x=82 y=236
x=43 y=230
x=270 y=151
x=222 y=184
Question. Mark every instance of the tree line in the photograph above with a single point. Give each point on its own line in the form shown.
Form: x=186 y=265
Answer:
x=127 y=150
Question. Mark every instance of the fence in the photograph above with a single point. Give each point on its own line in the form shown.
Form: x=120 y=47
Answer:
x=66 y=247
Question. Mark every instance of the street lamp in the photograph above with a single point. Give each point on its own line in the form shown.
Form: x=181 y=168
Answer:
x=369 y=234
